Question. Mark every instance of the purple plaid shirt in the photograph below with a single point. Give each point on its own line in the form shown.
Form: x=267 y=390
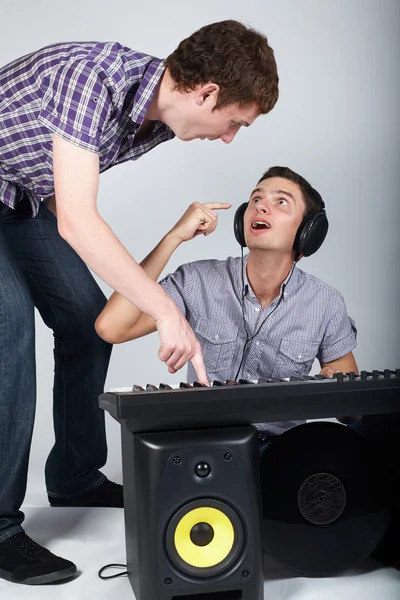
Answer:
x=93 y=94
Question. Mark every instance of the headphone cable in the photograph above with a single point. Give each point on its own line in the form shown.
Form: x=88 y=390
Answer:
x=268 y=315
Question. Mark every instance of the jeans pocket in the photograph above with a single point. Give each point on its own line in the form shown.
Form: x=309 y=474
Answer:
x=5 y=211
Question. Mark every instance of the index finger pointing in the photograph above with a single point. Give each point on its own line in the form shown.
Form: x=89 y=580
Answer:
x=217 y=205
x=198 y=364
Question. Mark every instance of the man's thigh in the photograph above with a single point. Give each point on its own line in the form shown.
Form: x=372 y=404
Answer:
x=63 y=289
x=16 y=306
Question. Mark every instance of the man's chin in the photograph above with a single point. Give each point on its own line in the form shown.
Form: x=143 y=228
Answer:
x=258 y=245
x=186 y=137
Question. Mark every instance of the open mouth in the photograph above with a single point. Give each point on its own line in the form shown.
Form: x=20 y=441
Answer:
x=260 y=225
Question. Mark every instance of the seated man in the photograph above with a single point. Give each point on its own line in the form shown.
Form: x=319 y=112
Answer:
x=260 y=316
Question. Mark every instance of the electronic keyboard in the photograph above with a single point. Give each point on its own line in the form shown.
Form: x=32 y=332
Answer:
x=231 y=403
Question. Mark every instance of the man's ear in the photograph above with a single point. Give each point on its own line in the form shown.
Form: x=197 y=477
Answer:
x=207 y=92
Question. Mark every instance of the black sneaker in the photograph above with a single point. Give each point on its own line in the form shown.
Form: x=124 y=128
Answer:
x=24 y=561
x=108 y=495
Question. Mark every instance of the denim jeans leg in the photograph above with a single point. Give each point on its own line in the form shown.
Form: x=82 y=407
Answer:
x=17 y=386
x=69 y=301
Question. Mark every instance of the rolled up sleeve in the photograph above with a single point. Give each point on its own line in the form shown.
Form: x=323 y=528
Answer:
x=340 y=336
x=179 y=286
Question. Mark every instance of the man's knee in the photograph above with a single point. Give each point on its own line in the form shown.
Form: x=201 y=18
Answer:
x=16 y=310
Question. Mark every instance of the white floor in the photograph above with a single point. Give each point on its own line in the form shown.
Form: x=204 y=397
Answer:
x=95 y=537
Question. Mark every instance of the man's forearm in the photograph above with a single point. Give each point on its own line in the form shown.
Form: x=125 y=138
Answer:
x=157 y=260
x=76 y=186
x=101 y=250
x=119 y=316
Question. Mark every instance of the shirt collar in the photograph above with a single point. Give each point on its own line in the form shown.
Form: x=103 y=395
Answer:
x=146 y=90
x=290 y=281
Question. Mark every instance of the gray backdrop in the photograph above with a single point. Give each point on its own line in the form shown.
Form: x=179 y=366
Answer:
x=336 y=122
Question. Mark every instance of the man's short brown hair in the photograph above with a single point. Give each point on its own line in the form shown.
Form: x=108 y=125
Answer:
x=312 y=198
x=237 y=58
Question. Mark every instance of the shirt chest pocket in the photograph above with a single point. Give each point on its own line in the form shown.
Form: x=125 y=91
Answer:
x=218 y=342
x=294 y=357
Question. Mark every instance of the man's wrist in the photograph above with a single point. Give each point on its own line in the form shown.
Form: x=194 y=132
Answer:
x=166 y=308
x=167 y=311
x=172 y=239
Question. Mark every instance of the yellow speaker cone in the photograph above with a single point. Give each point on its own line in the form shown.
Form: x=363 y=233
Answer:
x=204 y=537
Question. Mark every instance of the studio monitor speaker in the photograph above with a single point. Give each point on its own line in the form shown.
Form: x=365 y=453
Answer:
x=193 y=514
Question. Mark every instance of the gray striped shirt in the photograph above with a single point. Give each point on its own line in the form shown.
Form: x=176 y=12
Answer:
x=310 y=322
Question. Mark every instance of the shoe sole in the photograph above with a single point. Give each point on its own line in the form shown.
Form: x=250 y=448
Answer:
x=41 y=579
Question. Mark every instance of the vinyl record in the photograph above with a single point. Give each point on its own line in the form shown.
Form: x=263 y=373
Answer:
x=323 y=509
x=204 y=537
x=383 y=432
x=388 y=551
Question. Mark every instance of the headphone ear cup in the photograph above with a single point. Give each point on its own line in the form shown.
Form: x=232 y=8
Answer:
x=238 y=225
x=311 y=233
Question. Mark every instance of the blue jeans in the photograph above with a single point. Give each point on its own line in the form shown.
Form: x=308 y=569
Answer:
x=39 y=269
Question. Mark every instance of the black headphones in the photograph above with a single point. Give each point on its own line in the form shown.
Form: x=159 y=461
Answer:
x=309 y=237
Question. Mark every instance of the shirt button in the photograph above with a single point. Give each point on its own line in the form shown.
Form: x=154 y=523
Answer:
x=257 y=343
x=299 y=355
x=257 y=309
x=217 y=337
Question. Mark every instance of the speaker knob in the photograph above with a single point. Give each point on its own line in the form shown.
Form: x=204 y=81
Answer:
x=202 y=534
x=202 y=469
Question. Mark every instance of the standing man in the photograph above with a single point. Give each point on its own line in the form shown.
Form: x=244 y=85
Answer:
x=67 y=113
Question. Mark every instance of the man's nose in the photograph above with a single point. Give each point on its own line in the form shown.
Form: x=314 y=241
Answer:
x=263 y=207
x=228 y=136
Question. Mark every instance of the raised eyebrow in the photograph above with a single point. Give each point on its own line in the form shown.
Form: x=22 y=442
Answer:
x=256 y=191
x=285 y=193
x=278 y=192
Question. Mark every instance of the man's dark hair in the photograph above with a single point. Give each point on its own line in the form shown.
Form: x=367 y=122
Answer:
x=312 y=198
x=235 y=57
